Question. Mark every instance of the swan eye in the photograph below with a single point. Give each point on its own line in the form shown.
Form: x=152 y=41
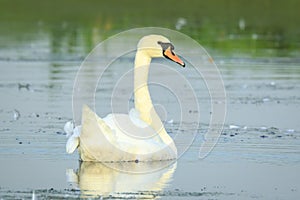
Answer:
x=165 y=45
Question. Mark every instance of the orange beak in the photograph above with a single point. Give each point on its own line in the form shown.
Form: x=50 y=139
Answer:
x=168 y=53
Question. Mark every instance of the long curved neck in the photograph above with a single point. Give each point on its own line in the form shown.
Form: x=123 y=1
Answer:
x=142 y=99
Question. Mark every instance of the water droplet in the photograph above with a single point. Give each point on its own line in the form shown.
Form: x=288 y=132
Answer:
x=233 y=127
x=170 y=121
x=290 y=130
x=265 y=99
x=272 y=83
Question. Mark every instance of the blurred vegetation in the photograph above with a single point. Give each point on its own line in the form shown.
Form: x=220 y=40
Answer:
x=234 y=27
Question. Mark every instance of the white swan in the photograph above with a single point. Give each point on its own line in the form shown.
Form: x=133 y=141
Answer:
x=137 y=136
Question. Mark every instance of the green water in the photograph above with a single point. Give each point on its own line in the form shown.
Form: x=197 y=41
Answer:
x=228 y=27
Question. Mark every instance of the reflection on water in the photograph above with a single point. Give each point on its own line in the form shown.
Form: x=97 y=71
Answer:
x=100 y=179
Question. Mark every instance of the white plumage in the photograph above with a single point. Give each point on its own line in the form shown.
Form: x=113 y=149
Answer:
x=137 y=136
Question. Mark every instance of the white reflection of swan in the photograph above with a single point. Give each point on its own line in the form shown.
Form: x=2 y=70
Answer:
x=98 y=179
x=137 y=136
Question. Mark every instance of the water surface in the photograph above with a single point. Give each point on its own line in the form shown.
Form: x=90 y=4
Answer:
x=257 y=156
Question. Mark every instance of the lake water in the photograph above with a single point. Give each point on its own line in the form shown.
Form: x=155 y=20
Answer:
x=256 y=157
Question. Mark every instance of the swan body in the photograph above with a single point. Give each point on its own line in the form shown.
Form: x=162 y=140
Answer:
x=137 y=136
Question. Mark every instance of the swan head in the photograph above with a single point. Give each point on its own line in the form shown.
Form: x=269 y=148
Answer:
x=157 y=46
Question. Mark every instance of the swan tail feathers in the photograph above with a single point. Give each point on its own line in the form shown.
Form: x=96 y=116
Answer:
x=72 y=144
x=73 y=141
x=69 y=128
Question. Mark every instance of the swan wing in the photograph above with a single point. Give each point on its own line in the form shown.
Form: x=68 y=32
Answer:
x=135 y=137
x=117 y=138
x=97 y=139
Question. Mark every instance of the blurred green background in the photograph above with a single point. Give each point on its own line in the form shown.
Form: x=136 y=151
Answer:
x=256 y=28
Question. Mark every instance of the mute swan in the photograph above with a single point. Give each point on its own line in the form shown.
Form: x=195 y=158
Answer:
x=137 y=136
